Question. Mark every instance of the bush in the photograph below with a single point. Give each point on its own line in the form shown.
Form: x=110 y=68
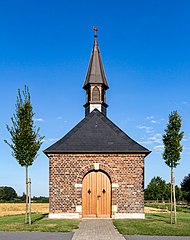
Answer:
x=40 y=199
x=7 y=193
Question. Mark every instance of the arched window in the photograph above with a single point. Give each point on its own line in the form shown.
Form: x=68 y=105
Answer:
x=95 y=94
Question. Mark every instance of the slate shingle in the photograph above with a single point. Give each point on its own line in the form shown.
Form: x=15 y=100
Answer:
x=95 y=73
x=96 y=134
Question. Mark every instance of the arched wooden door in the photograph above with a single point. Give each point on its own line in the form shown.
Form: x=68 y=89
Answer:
x=96 y=195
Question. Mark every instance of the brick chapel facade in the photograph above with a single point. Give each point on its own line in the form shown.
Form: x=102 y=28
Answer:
x=96 y=170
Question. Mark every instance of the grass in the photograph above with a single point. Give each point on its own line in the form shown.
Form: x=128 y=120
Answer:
x=39 y=224
x=12 y=219
x=155 y=224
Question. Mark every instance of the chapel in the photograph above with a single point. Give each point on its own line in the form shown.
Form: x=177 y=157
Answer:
x=96 y=170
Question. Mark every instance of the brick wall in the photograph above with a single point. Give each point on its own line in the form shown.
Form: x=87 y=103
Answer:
x=126 y=172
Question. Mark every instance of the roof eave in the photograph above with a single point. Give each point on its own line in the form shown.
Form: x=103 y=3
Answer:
x=96 y=152
x=86 y=85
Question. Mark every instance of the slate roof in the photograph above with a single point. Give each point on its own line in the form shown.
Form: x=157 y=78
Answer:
x=96 y=134
x=95 y=73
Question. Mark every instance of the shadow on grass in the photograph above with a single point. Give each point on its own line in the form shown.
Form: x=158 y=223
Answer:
x=40 y=217
x=157 y=217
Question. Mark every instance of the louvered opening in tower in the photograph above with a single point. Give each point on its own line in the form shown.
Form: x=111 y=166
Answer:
x=95 y=94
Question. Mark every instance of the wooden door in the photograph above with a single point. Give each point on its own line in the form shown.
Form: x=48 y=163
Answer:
x=96 y=195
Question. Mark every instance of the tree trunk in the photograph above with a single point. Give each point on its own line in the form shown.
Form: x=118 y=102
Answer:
x=173 y=180
x=26 y=215
x=171 y=202
x=29 y=192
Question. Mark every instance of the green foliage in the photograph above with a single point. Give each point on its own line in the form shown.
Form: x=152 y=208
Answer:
x=172 y=151
x=25 y=138
x=7 y=193
x=171 y=140
x=21 y=199
x=40 y=199
x=178 y=193
x=156 y=189
x=185 y=186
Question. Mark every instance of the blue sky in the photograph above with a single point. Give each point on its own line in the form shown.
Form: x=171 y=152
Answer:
x=146 y=55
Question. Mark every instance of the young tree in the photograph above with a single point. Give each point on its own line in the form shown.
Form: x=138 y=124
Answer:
x=25 y=138
x=172 y=151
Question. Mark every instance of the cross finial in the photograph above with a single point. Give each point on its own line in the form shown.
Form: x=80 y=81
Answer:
x=95 y=32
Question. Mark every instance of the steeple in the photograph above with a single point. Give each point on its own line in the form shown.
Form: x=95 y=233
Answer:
x=95 y=83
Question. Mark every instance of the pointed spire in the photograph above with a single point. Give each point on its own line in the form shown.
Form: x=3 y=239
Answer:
x=95 y=73
x=95 y=83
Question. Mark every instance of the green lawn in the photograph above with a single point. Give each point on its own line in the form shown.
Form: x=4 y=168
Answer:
x=155 y=224
x=39 y=224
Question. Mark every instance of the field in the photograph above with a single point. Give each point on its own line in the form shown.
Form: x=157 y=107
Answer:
x=181 y=206
x=154 y=210
x=19 y=208
x=7 y=209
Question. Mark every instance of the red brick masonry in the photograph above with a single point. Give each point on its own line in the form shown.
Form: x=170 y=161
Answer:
x=126 y=172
